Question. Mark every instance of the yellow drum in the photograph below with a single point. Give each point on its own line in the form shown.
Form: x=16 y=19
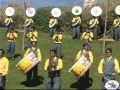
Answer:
x=81 y=66
x=27 y=63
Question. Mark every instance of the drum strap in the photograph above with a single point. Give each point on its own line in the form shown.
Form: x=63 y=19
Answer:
x=85 y=54
x=34 y=51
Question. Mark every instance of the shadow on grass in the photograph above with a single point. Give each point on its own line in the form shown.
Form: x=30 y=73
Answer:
x=82 y=83
x=17 y=55
x=34 y=82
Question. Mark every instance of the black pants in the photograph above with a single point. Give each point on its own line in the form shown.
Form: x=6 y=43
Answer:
x=2 y=83
x=32 y=74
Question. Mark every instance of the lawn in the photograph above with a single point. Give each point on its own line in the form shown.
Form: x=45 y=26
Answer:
x=70 y=47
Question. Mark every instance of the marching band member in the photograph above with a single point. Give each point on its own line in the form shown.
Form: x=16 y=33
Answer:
x=28 y=23
x=32 y=35
x=76 y=27
x=32 y=74
x=8 y=23
x=87 y=36
x=53 y=22
x=57 y=37
x=4 y=65
x=107 y=67
x=87 y=53
x=94 y=26
x=116 y=25
x=54 y=66
x=11 y=35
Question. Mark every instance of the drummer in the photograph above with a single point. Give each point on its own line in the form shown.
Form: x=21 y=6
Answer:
x=107 y=67
x=4 y=64
x=87 y=53
x=32 y=74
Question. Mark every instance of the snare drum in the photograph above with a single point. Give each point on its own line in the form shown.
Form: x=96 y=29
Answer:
x=27 y=63
x=81 y=66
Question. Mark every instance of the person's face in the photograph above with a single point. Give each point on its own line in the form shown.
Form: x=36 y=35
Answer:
x=108 y=53
x=1 y=54
x=33 y=44
x=86 y=47
x=52 y=54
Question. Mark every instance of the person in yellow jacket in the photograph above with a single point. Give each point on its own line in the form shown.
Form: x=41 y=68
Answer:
x=32 y=74
x=116 y=24
x=8 y=23
x=11 y=36
x=94 y=26
x=54 y=66
x=57 y=38
x=107 y=67
x=32 y=36
x=76 y=27
x=53 y=22
x=87 y=36
x=4 y=65
x=28 y=23
x=88 y=54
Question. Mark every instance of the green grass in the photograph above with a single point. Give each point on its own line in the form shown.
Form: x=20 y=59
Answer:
x=69 y=48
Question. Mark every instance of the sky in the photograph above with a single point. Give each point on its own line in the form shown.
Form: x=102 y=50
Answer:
x=45 y=3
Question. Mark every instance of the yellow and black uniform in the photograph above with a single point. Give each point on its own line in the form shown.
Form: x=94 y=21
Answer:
x=28 y=23
x=53 y=22
x=76 y=27
x=32 y=74
x=32 y=35
x=94 y=26
x=4 y=65
x=57 y=46
x=116 y=25
x=8 y=23
x=107 y=68
x=87 y=36
x=86 y=53
x=11 y=44
x=54 y=67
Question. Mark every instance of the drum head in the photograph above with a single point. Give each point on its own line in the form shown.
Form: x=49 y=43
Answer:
x=112 y=85
x=117 y=10
x=9 y=11
x=56 y=12
x=76 y=10
x=96 y=11
x=30 y=12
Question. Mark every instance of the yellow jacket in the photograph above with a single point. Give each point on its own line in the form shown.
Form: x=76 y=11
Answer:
x=32 y=35
x=94 y=22
x=90 y=55
x=87 y=36
x=38 y=52
x=4 y=65
x=28 y=22
x=8 y=21
x=12 y=36
x=116 y=22
x=59 y=66
x=101 y=67
x=57 y=38
x=75 y=20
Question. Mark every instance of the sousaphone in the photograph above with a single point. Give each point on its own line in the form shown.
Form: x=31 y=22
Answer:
x=117 y=10
x=95 y=11
x=76 y=10
x=56 y=12
x=9 y=11
x=30 y=12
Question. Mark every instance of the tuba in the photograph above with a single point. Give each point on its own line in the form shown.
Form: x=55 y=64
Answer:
x=117 y=11
x=9 y=11
x=55 y=12
x=95 y=11
x=76 y=10
x=30 y=12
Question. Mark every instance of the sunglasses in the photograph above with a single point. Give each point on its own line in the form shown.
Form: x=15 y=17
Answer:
x=108 y=52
